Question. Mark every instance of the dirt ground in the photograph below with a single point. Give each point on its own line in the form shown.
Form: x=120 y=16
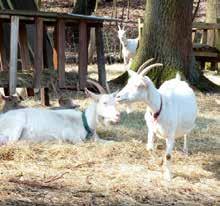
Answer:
x=120 y=172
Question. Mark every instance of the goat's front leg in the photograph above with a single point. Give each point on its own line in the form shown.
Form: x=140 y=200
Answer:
x=150 y=135
x=125 y=62
x=3 y=139
x=167 y=162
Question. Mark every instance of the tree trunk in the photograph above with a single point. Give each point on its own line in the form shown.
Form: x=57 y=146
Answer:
x=92 y=42
x=81 y=7
x=84 y=7
x=167 y=38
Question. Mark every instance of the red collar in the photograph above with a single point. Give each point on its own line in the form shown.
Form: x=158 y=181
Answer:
x=156 y=115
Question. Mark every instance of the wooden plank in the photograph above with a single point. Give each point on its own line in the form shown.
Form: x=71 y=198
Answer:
x=55 y=54
x=13 y=54
x=24 y=51
x=193 y=36
x=203 y=25
x=3 y=59
x=100 y=56
x=60 y=37
x=83 y=54
x=54 y=15
x=204 y=36
x=205 y=54
x=38 y=54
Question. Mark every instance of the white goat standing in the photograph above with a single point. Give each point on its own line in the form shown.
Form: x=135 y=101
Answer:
x=171 y=109
x=67 y=125
x=129 y=46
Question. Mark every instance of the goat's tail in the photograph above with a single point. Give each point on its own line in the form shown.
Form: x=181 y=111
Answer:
x=178 y=76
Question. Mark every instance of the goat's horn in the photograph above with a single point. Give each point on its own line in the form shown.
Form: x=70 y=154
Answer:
x=147 y=69
x=144 y=65
x=97 y=85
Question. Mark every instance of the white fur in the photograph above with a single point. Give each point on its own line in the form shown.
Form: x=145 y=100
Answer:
x=178 y=114
x=66 y=125
x=129 y=46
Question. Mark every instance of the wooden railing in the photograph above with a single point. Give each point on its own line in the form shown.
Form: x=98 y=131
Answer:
x=41 y=20
x=205 y=37
x=204 y=50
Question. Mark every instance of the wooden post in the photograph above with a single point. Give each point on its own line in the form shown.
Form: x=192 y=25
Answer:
x=202 y=63
x=38 y=61
x=44 y=95
x=60 y=51
x=193 y=36
x=204 y=36
x=55 y=54
x=38 y=54
x=100 y=56
x=24 y=52
x=214 y=66
x=13 y=54
x=3 y=59
x=83 y=54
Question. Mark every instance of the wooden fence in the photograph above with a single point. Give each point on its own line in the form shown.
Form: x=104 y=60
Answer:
x=36 y=73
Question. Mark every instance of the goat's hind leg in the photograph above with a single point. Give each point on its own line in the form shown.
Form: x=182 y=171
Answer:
x=167 y=162
x=185 y=146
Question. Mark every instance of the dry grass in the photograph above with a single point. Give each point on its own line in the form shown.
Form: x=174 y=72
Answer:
x=120 y=172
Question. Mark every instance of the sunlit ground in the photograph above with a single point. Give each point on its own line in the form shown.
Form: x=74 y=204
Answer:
x=120 y=172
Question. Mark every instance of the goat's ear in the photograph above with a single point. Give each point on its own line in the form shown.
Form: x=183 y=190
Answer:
x=131 y=72
x=91 y=95
x=119 y=28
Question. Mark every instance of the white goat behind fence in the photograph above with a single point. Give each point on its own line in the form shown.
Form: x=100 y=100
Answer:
x=171 y=109
x=129 y=46
x=66 y=125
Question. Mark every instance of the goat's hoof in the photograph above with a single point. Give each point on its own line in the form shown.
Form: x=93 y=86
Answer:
x=167 y=176
x=185 y=152
x=150 y=147
x=160 y=147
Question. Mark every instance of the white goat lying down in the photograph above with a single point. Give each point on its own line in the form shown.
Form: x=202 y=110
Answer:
x=171 y=109
x=129 y=46
x=66 y=124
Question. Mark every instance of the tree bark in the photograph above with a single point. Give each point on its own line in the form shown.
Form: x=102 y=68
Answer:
x=81 y=7
x=84 y=7
x=167 y=37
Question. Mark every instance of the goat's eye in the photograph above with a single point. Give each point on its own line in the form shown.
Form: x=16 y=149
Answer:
x=105 y=103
